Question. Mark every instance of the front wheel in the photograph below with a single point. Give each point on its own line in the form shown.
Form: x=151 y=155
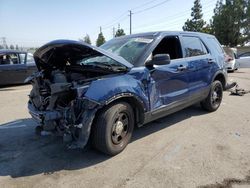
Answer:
x=113 y=128
x=214 y=98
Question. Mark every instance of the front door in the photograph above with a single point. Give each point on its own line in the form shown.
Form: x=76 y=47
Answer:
x=169 y=83
x=11 y=71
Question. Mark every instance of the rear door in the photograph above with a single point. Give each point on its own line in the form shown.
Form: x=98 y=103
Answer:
x=28 y=60
x=200 y=63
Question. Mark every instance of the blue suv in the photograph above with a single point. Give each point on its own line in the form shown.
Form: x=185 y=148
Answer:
x=98 y=94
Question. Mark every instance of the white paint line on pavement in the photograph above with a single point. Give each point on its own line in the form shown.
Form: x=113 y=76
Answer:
x=168 y=156
x=14 y=126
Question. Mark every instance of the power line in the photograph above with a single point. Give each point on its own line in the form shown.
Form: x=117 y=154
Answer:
x=140 y=6
x=112 y=23
x=146 y=9
x=176 y=17
x=123 y=16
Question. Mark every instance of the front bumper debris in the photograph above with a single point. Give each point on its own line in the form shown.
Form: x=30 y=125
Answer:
x=41 y=116
x=73 y=123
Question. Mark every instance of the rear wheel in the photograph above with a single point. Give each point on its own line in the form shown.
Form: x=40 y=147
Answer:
x=113 y=128
x=214 y=98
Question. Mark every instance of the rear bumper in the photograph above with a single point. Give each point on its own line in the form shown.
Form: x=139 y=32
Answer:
x=230 y=66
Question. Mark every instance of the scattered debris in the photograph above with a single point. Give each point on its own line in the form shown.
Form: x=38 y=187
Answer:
x=229 y=86
x=235 y=90
x=237 y=134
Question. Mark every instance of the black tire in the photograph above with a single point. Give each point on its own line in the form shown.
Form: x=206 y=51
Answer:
x=113 y=128
x=214 y=98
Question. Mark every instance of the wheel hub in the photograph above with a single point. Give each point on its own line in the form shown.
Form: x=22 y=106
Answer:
x=119 y=127
x=215 y=96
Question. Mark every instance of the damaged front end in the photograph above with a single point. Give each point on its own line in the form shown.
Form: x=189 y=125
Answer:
x=59 y=109
x=57 y=100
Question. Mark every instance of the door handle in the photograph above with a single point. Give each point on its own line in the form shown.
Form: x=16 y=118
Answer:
x=210 y=61
x=181 y=68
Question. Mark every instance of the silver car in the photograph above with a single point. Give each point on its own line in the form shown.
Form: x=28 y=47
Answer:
x=244 y=60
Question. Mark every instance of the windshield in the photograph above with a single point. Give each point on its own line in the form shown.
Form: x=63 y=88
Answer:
x=128 y=48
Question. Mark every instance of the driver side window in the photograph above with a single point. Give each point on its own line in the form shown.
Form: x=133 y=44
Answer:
x=169 y=45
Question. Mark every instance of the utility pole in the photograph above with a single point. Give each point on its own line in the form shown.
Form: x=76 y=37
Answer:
x=130 y=23
x=100 y=29
x=113 y=32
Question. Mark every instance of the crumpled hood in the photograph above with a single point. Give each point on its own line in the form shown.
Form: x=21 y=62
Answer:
x=55 y=54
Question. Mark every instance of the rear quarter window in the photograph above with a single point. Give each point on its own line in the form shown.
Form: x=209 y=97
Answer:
x=193 y=46
x=216 y=45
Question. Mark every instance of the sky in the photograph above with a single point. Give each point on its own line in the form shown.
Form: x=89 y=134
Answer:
x=32 y=23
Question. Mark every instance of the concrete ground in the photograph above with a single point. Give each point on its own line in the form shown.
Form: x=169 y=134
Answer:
x=190 y=148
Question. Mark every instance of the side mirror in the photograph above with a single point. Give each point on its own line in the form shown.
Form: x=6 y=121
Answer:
x=159 y=59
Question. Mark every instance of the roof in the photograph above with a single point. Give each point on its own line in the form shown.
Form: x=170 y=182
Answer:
x=160 y=33
x=3 y=51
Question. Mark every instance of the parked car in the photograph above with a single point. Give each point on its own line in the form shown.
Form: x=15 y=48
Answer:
x=15 y=66
x=244 y=60
x=231 y=55
x=101 y=93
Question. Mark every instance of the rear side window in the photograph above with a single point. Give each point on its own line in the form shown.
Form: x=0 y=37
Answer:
x=30 y=58
x=247 y=54
x=193 y=46
x=216 y=45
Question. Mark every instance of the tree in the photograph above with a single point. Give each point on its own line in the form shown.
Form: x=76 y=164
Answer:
x=12 y=47
x=17 y=47
x=87 y=39
x=228 y=21
x=1 y=47
x=216 y=20
x=119 y=32
x=100 y=40
x=6 y=47
x=196 y=23
x=207 y=29
x=246 y=24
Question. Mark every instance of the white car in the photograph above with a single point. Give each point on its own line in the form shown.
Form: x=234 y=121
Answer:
x=230 y=59
x=244 y=60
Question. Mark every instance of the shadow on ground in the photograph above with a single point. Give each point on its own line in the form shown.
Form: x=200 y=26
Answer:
x=22 y=153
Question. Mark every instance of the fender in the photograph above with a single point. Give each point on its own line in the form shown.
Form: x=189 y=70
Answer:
x=222 y=75
x=126 y=95
x=106 y=90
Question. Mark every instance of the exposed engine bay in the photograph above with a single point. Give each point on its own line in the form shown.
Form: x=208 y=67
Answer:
x=57 y=105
